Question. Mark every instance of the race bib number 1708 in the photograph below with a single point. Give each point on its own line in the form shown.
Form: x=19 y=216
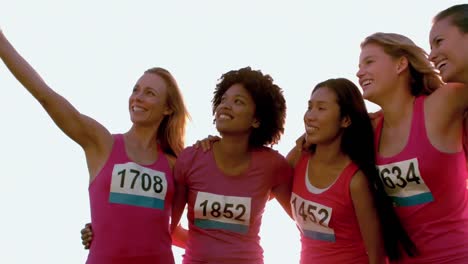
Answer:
x=133 y=184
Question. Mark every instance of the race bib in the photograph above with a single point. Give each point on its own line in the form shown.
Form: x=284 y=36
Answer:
x=213 y=211
x=136 y=185
x=312 y=218
x=404 y=184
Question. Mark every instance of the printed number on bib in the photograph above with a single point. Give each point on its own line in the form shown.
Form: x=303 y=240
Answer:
x=403 y=182
x=312 y=218
x=133 y=184
x=213 y=211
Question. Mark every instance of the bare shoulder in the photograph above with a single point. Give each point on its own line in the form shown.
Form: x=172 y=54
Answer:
x=358 y=183
x=445 y=92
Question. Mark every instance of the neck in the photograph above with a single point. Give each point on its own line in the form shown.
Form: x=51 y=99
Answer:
x=144 y=137
x=398 y=106
x=232 y=148
x=329 y=153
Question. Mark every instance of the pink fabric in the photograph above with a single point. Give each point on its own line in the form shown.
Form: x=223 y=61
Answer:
x=332 y=207
x=131 y=229
x=436 y=216
x=220 y=228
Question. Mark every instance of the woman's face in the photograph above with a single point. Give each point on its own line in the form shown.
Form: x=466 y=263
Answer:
x=147 y=103
x=449 y=51
x=236 y=111
x=322 y=120
x=377 y=72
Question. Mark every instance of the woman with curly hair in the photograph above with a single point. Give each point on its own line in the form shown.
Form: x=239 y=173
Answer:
x=227 y=187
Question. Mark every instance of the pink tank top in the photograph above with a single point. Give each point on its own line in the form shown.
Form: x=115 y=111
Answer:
x=225 y=212
x=130 y=210
x=428 y=188
x=326 y=218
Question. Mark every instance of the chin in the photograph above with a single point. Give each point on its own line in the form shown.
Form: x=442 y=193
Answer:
x=449 y=77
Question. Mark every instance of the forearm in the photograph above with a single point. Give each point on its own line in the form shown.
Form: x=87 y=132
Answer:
x=23 y=71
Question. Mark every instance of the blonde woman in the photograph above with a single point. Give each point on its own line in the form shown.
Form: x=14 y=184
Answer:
x=419 y=145
x=131 y=183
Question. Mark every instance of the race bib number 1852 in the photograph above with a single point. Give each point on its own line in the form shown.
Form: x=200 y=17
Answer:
x=136 y=185
x=213 y=211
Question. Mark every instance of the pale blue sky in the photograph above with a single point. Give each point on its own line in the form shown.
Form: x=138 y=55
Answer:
x=92 y=52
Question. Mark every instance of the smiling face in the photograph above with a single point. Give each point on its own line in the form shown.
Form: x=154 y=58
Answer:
x=449 y=51
x=377 y=72
x=323 y=121
x=147 y=103
x=236 y=111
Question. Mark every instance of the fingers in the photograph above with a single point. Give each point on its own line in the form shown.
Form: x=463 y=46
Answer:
x=86 y=236
x=206 y=144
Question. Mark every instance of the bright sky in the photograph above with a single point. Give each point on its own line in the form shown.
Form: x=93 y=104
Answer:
x=92 y=52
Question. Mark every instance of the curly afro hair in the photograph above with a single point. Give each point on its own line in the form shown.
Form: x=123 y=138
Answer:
x=268 y=98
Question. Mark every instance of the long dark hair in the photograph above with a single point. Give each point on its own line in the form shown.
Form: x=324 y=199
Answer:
x=358 y=143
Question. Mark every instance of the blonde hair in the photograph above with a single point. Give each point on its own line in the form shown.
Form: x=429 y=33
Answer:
x=424 y=77
x=171 y=132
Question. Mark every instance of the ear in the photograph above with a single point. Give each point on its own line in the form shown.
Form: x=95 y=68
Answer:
x=345 y=122
x=168 y=111
x=402 y=64
x=256 y=123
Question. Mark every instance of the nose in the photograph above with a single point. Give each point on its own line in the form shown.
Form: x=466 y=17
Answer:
x=360 y=73
x=433 y=55
x=224 y=104
x=309 y=115
x=137 y=95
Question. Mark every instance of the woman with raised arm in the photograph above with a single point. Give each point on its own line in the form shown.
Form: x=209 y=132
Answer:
x=131 y=183
x=419 y=145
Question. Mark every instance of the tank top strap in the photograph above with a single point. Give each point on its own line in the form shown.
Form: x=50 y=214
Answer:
x=377 y=134
x=347 y=174
x=118 y=148
x=418 y=124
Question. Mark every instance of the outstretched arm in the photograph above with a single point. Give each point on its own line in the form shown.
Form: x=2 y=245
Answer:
x=82 y=129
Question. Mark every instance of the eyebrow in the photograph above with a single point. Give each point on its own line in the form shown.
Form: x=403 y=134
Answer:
x=433 y=40
x=366 y=58
x=146 y=87
x=318 y=102
x=235 y=95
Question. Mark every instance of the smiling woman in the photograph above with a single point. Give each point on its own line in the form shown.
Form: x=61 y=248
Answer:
x=131 y=185
x=227 y=187
x=449 y=43
x=419 y=144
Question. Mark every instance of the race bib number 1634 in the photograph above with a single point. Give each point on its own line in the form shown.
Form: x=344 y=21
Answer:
x=404 y=183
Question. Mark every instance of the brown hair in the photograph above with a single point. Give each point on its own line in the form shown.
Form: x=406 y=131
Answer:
x=424 y=77
x=171 y=132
